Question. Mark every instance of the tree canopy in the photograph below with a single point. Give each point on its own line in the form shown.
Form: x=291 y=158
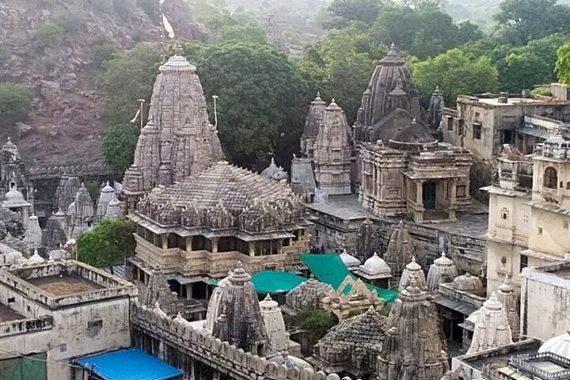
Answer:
x=119 y=143
x=15 y=103
x=563 y=63
x=107 y=244
x=455 y=73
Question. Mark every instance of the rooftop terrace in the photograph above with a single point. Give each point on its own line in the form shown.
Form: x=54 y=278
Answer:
x=61 y=283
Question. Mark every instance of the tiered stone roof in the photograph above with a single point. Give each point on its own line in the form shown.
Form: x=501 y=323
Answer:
x=413 y=347
x=313 y=123
x=308 y=295
x=491 y=328
x=508 y=298
x=352 y=343
x=442 y=270
x=399 y=251
x=274 y=172
x=224 y=197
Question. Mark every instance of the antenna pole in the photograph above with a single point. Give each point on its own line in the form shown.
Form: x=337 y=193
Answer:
x=215 y=97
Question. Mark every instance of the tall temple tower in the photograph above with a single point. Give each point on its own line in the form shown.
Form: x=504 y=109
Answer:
x=333 y=152
x=178 y=139
x=390 y=100
x=313 y=123
x=413 y=347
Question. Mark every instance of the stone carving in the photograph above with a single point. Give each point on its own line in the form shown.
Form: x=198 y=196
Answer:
x=224 y=196
x=352 y=296
x=308 y=295
x=157 y=290
x=178 y=139
x=353 y=345
x=237 y=314
x=442 y=270
x=468 y=283
x=507 y=297
x=435 y=109
x=491 y=328
x=105 y=198
x=274 y=172
x=399 y=251
x=12 y=171
x=33 y=234
x=277 y=336
x=413 y=269
x=390 y=91
x=333 y=151
x=66 y=191
x=56 y=231
x=313 y=123
x=413 y=347
x=81 y=212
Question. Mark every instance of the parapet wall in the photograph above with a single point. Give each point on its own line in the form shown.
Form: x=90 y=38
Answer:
x=223 y=357
x=25 y=326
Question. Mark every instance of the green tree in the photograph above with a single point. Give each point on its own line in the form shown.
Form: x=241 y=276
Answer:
x=316 y=323
x=563 y=64
x=251 y=32
x=344 y=12
x=262 y=100
x=119 y=143
x=48 y=35
x=15 y=103
x=127 y=77
x=455 y=73
x=524 y=20
x=109 y=243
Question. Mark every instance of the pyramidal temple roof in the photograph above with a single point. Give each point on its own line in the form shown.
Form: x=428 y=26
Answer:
x=224 y=196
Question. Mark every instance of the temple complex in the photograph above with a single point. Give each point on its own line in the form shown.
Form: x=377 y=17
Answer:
x=178 y=139
x=198 y=228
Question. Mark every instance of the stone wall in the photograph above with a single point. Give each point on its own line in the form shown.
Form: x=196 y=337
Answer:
x=199 y=354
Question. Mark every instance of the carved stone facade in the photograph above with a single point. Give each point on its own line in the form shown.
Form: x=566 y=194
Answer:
x=400 y=250
x=333 y=152
x=351 y=296
x=313 y=124
x=491 y=328
x=308 y=295
x=414 y=175
x=413 y=347
x=352 y=346
x=178 y=139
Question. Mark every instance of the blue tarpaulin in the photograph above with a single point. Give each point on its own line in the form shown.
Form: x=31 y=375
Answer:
x=129 y=364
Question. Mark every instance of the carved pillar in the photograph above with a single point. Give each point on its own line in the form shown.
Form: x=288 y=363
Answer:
x=188 y=244
x=164 y=238
x=419 y=209
x=453 y=199
x=215 y=245
x=251 y=248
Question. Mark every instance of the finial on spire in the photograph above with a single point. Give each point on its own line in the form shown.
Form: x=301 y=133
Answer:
x=318 y=94
x=414 y=121
x=392 y=46
x=178 y=50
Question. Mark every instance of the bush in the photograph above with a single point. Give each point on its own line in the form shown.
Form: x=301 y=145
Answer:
x=72 y=21
x=119 y=143
x=107 y=244
x=15 y=104
x=102 y=50
x=49 y=35
x=150 y=7
x=316 y=323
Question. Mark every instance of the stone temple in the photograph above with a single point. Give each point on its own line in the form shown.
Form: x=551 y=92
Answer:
x=178 y=139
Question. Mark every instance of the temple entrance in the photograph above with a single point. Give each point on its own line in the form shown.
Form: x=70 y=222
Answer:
x=429 y=195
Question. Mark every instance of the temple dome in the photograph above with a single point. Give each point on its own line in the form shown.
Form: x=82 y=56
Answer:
x=442 y=270
x=308 y=295
x=413 y=269
x=274 y=172
x=468 y=283
x=14 y=195
x=414 y=134
x=9 y=146
x=559 y=345
x=177 y=63
x=349 y=260
x=375 y=265
x=291 y=362
x=36 y=258
x=224 y=196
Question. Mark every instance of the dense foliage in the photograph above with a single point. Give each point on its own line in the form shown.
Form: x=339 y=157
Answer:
x=264 y=95
x=15 y=103
x=119 y=143
x=109 y=243
x=315 y=323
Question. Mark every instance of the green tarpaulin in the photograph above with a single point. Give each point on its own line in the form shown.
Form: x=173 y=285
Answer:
x=330 y=269
x=273 y=282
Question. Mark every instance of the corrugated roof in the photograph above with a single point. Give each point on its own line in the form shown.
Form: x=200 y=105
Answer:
x=129 y=364
x=272 y=282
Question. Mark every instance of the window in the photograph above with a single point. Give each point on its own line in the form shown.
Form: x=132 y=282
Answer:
x=450 y=123
x=94 y=327
x=524 y=262
x=550 y=178
x=460 y=127
x=477 y=131
x=504 y=213
x=508 y=137
x=11 y=299
x=540 y=230
x=567 y=185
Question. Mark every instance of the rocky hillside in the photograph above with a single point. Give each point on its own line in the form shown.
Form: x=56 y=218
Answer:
x=55 y=47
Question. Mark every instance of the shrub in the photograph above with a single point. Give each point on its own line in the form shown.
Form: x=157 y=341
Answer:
x=15 y=103
x=119 y=143
x=102 y=50
x=48 y=35
x=72 y=21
